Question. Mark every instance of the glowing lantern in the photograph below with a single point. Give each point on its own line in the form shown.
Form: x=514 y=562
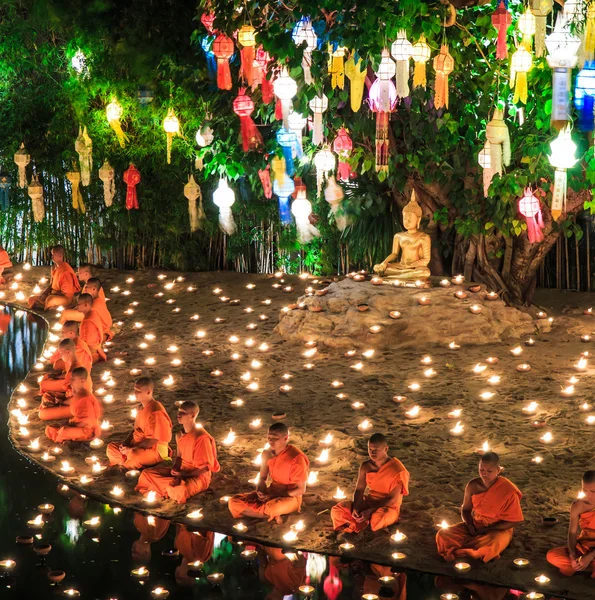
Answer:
x=289 y=145
x=223 y=49
x=283 y=191
x=589 y=38
x=278 y=166
x=303 y=33
x=77 y=200
x=84 y=147
x=421 y=55
x=334 y=194
x=131 y=179
x=501 y=20
x=356 y=73
x=584 y=95
x=244 y=107
x=318 y=105
x=247 y=39
x=263 y=59
x=301 y=209
x=530 y=208
x=22 y=159
x=541 y=9
x=285 y=89
x=526 y=25
x=265 y=179
x=113 y=112
x=562 y=158
x=107 y=175
x=337 y=66
x=498 y=136
x=324 y=161
x=207 y=19
x=196 y=212
x=520 y=64
x=171 y=125
x=402 y=51
x=485 y=162
x=343 y=146
x=223 y=197
x=35 y=191
x=79 y=63
x=444 y=65
x=296 y=124
x=204 y=135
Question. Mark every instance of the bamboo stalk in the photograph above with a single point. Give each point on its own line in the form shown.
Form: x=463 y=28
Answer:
x=588 y=237
x=567 y=263
x=578 y=264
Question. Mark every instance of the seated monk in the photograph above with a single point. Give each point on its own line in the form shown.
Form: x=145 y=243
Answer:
x=148 y=443
x=85 y=422
x=491 y=508
x=4 y=263
x=91 y=329
x=63 y=284
x=84 y=273
x=413 y=245
x=92 y=287
x=288 y=470
x=387 y=481
x=70 y=331
x=196 y=460
x=579 y=554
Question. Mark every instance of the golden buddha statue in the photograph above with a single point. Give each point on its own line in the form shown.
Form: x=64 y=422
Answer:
x=413 y=245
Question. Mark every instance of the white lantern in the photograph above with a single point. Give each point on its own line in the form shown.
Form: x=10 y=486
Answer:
x=318 y=105
x=562 y=158
x=79 y=63
x=402 y=51
x=301 y=209
x=485 y=162
x=541 y=9
x=386 y=71
x=223 y=197
x=303 y=32
x=334 y=194
x=204 y=136
x=285 y=88
x=296 y=124
x=325 y=162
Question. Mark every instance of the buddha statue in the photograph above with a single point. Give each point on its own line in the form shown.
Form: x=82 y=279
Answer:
x=414 y=247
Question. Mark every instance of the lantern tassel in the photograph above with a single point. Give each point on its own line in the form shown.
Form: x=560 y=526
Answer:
x=267 y=89
x=286 y=106
x=288 y=155
x=226 y=222
x=223 y=74
x=343 y=170
x=539 y=38
x=534 y=228
x=419 y=75
x=356 y=73
x=122 y=137
x=402 y=78
x=589 y=42
x=265 y=180
x=559 y=197
x=278 y=167
x=585 y=115
x=441 y=90
x=520 y=87
x=251 y=137
x=501 y=47
x=317 y=133
x=306 y=64
x=247 y=58
x=337 y=71
x=169 y=141
x=284 y=210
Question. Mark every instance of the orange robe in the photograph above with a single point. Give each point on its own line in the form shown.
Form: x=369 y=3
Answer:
x=83 y=356
x=286 y=470
x=585 y=543
x=380 y=484
x=502 y=502
x=4 y=261
x=61 y=390
x=100 y=295
x=91 y=332
x=151 y=530
x=284 y=575
x=64 y=282
x=152 y=421
x=100 y=307
x=197 y=450
x=85 y=423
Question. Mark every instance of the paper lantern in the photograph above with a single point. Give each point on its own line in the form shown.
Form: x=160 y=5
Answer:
x=196 y=212
x=265 y=179
x=207 y=19
x=589 y=37
x=131 y=178
x=304 y=35
x=5 y=182
x=171 y=125
x=283 y=191
x=541 y=9
x=84 y=147
x=527 y=25
x=223 y=50
x=263 y=59
x=296 y=124
x=498 y=136
x=443 y=65
x=562 y=158
x=501 y=20
x=520 y=64
x=584 y=96
x=402 y=50
x=337 y=66
x=244 y=107
x=223 y=197
x=113 y=112
x=421 y=55
x=485 y=162
x=356 y=71
x=206 y=44
x=77 y=200
x=279 y=169
x=247 y=40
x=204 y=136
x=333 y=194
x=22 y=159
x=285 y=89
x=318 y=105
x=35 y=191
x=107 y=175
x=343 y=145
x=289 y=145
x=325 y=162
x=301 y=209
x=530 y=208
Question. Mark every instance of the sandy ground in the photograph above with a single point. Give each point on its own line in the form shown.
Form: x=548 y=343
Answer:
x=440 y=463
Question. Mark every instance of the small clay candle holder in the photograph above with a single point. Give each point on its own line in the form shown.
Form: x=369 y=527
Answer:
x=363 y=307
x=460 y=294
x=474 y=288
x=521 y=563
x=462 y=567
x=394 y=314
x=46 y=509
x=549 y=521
x=523 y=368
x=56 y=576
x=377 y=281
x=215 y=578
x=444 y=283
x=424 y=301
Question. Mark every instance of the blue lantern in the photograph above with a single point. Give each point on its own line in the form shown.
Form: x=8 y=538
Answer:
x=206 y=43
x=291 y=148
x=584 y=96
x=283 y=191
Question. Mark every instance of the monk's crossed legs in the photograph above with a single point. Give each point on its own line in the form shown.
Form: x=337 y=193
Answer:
x=137 y=458
x=380 y=518
x=248 y=505
x=456 y=541
x=560 y=558
x=68 y=434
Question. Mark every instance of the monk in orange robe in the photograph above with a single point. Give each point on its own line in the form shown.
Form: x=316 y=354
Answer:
x=63 y=284
x=4 y=263
x=579 y=553
x=85 y=422
x=148 y=442
x=387 y=481
x=491 y=508
x=196 y=461
x=70 y=331
x=91 y=329
x=287 y=467
x=93 y=288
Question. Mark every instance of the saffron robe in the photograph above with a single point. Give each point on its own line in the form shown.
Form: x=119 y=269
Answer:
x=91 y=332
x=194 y=545
x=4 y=261
x=83 y=356
x=196 y=449
x=64 y=283
x=59 y=391
x=380 y=484
x=372 y=585
x=101 y=292
x=85 y=423
x=61 y=386
x=502 y=502
x=100 y=307
x=286 y=470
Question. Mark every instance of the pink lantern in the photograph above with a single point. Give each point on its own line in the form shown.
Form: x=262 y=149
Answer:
x=530 y=208
x=265 y=180
x=244 y=107
x=343 y=146
x=382 y=100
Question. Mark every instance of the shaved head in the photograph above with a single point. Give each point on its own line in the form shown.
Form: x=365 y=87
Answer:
x=144 y=383
x=58 y=250
x=190 y=407
x=85 y=299
x=377 y=438
x=71 y=325
x=80 y=372
x=279 y=428
x=490 y=458
x=67 y=345
x=94 y=281
x=87 y=269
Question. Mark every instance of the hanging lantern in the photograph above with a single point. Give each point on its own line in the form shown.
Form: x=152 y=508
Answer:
x=144 y=95
x=171 y=125
x=501 y=20
x=5 y=181
x=77 y=199
x=278 y=167
x=541 y=9
x=84 y=147
x=247 y=39
x=402 y=51
x=131 y=178
x=113 y=112
x=301 y=209
x=223 y=197
x=520 y=64
x=530 y=208
x=336 y=66
x=584 y=96
x=265 y=179
x=285 y=89
x=207 y=19
x=444 y=65
x=244 y=107
x=35 y=191
x=107 y=175
x=196 y=212
x=527 y=26
x=303 y=33
x=485 y=162
x=333 y=194
x=79 y=63
x=22 y=159
x=289 y=145
x=562 y=158
x=318 y=105
x=421 y=55
x=206 y=43
x=263 y=59
x=283 y=191
x=204 y=135
x=343 y=145
x=356 y=73
x=499 y=138
x=223 y=50
x=589 y=37
x=296 y=124
x=325 y=162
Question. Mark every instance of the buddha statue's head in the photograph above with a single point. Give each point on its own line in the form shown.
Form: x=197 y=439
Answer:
x=412 y=214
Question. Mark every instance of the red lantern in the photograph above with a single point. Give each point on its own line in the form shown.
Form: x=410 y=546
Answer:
x=244 y=107
x=263 y=59
x=530 y=208
x=207 y=19
x=131 y=179
x=501 y=20
x=265 y=179
x=343 y=146
x=223 y=49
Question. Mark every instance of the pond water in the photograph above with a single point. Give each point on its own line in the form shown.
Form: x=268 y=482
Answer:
x=98 y=562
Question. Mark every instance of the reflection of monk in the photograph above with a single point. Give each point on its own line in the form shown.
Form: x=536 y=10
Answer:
x=480 y=591
x=491 y=508
x=151 y=530
x=5 y=319
x=70 y=331
x=391 y=590
x=194 y=546
x=285 y=572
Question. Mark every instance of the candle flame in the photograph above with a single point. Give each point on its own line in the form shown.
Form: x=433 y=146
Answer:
x=312 y=477
x=323 y=456
x=230 y=438
x=339 y=494
x=458 y=428
x=414 y=412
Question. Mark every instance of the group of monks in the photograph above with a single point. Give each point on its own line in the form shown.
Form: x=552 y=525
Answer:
x=491 y=505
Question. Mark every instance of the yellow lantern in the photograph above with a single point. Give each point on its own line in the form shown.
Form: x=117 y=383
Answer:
x=356 y=73
x=77 y=199
x=336 y=67
x=172 y=128
x=113 y=112
x=520 y=64
x=247 y=39
x=590 y=32
x=527 y=26
x=421 y=55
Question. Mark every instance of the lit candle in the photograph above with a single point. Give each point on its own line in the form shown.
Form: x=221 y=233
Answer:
x=535 y=596
x=453 y=345
x=398 y=536
x=357 y=405
x=398 y=556
x=457 y=429
x=530 y=408
x=66 y=467
x=516 y=351
x=8 y=564
x=424 y=301
x=365 y=425
x=494 y=380
x=339 y=494
x=581 y=365
x=458 y=279
x=547 y=437
x=357 y=366
x=240 y=527
x=487 y=395
x=523 y=367
x=312 y=477
x=462 y=567
x=460 y=294
x=414 y=412
x=492 y=360
x=542 y=579
x=567 y=391
x=229 y=439
x=306 y=590
x=475 y=309
x=585 y=338
x=347 y=546
x=444 y=283
x=323 y=456
x=520 y=562
x=215 y=578
x=140 y=573
x=237 y=403
x=375 y=329
x=160 y=593
x=216 y=373
x=46 y=509
x=195 y=515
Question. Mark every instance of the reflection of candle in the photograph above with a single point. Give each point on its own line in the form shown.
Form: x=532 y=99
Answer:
x=327 y=440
